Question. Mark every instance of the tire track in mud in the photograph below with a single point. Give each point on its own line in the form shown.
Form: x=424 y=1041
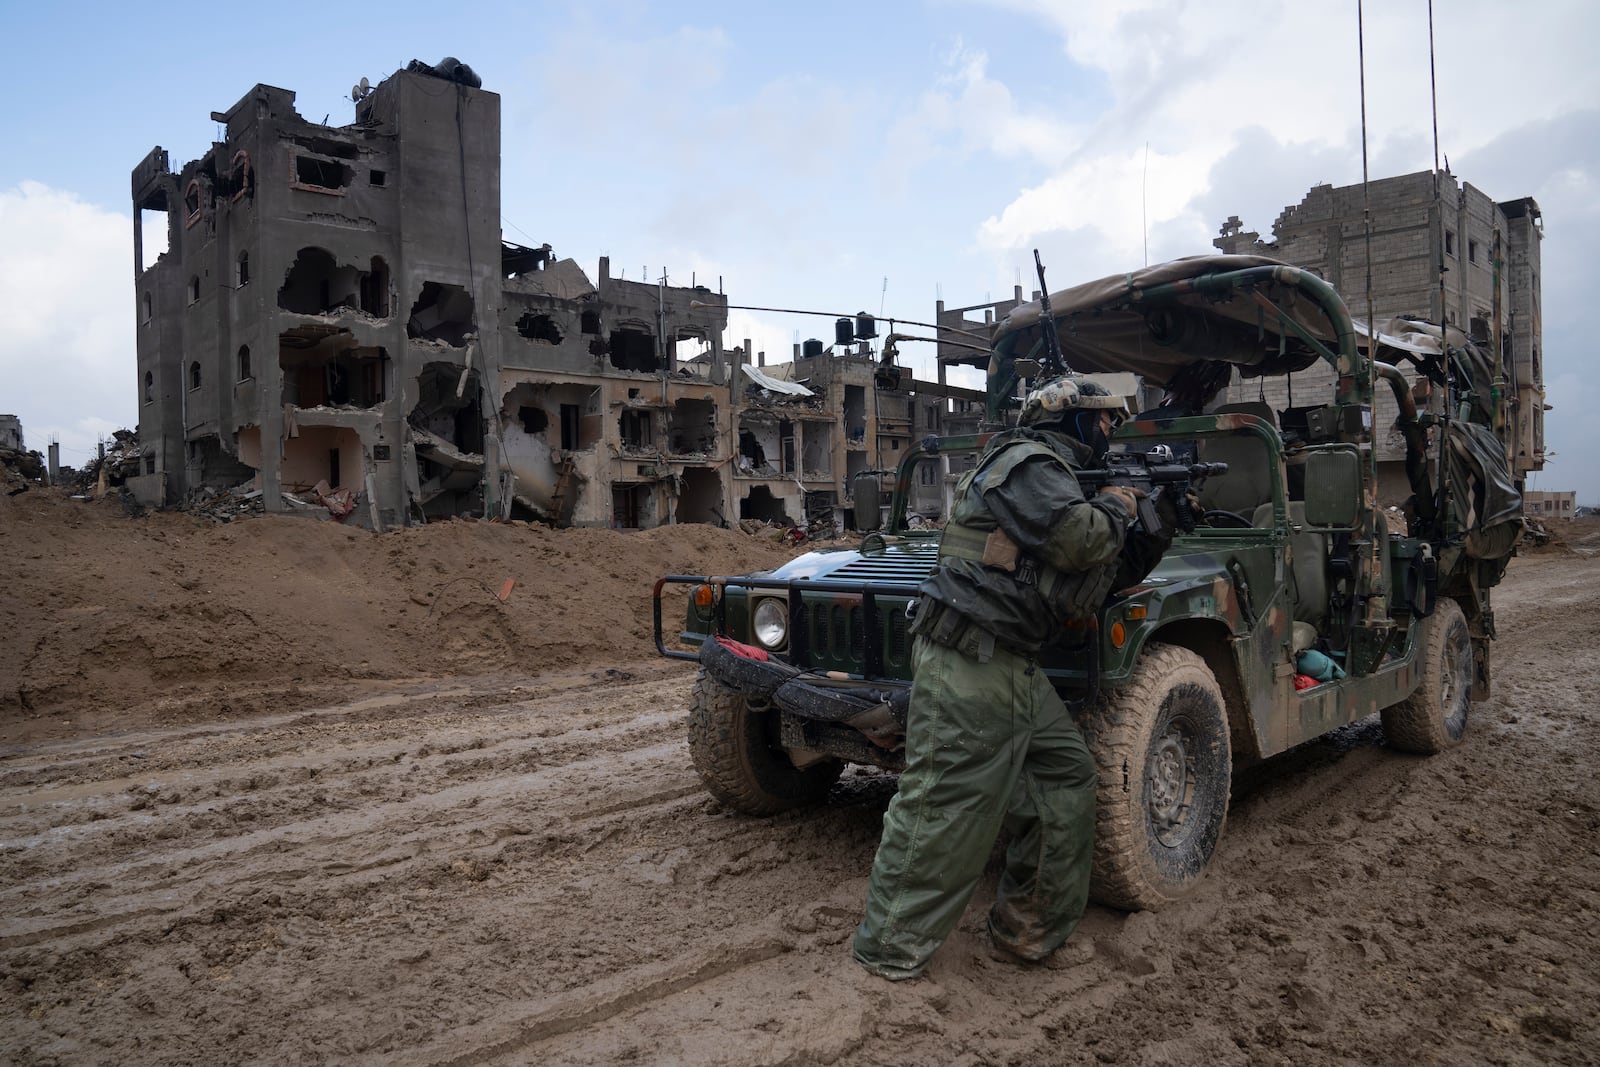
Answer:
x=448 y=763
x=389 y=716
x=606 y=790
x=508 y=731
x=591 y=1006
x=443 y=808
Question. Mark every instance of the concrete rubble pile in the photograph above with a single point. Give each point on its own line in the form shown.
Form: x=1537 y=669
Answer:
x=244 y=500
x=19 y=468
x=123 y=458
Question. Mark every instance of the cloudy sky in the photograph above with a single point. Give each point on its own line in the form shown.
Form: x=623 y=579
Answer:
x=839 y=156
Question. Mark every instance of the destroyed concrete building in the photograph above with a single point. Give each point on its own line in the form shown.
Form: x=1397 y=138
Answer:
x=336 y=319
x=1487 y=254
x=11 y=432
x=325 y=308
x=811 y=429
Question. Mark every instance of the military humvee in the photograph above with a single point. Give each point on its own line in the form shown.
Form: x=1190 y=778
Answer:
x=1196 y=670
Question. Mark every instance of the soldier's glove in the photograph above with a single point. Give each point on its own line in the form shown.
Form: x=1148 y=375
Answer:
x=1170 y=507
x=1178 y=511
x=1125 y=495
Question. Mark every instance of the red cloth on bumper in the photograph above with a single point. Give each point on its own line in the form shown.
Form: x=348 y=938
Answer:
x=738 y=649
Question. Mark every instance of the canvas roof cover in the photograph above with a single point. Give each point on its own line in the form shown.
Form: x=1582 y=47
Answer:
x=1103 y=327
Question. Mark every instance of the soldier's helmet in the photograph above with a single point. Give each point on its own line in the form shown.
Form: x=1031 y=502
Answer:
x=1059 y=400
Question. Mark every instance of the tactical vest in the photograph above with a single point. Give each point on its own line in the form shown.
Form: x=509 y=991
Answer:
x=972 y=534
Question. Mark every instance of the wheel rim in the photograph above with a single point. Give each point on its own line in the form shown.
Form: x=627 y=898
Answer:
x=1169 y=784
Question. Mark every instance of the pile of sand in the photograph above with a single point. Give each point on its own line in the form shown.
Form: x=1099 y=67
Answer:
x=172 y=617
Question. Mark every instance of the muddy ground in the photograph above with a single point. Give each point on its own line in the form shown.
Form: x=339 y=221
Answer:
x=333 y=801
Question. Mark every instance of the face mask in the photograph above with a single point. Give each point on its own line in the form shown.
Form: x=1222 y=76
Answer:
x=1086 y=428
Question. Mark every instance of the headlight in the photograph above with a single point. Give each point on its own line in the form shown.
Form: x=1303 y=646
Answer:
x=771 y=623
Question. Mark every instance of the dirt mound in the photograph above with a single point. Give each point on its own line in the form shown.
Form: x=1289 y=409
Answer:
x=1564 y=537
x=168 y=617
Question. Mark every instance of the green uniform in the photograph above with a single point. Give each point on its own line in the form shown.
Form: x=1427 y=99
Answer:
x=989 y=744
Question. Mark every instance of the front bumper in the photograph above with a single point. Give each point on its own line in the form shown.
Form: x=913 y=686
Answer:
x=851 y=719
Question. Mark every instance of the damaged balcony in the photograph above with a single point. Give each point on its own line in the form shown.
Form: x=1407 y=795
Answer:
x=764 y=389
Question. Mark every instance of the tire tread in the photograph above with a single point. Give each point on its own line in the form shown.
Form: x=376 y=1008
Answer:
x=736 y=765
x=1416 y=724
x=1118 y=738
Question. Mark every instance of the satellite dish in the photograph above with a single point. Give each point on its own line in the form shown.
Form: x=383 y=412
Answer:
x=355 y=92
x=359 y=91
x=365 y=87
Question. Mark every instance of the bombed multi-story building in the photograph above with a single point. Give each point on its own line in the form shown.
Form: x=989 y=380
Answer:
x=11 y=432
x=336 y=319
x=1439 y=250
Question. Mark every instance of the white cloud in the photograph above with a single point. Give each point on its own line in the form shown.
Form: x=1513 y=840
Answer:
x=967 y=111
x=1111 y=194
x=1188 y=78
x=67 y=361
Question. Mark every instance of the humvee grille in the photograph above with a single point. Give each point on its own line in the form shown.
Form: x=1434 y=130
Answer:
x=836 y=636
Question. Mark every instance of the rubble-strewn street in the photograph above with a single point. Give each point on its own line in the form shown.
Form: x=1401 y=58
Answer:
x=279 y=791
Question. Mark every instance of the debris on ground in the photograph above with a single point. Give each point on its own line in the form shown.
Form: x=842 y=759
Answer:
x=124 y=459
x=20 y=468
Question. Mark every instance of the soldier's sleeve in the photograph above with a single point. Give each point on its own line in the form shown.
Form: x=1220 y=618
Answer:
x=1042 y=508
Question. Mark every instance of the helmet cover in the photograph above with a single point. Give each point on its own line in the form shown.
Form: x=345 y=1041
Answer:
x=1059 y=398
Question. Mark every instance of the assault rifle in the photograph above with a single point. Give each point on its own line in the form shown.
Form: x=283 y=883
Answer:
x=1055 y=361
x=1145 y=470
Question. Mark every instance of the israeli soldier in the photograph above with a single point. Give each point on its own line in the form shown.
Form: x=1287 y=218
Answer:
x=989 y=744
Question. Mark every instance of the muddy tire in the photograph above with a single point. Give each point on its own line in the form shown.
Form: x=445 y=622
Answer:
x=736 y=752
x=1434 y=717
x=1161 y=747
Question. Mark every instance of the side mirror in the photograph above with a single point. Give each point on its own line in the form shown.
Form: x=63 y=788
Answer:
x=1028 y=368
x=1333 y=488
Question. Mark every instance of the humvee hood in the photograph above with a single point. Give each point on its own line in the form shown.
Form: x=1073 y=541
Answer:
x=907 y=560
